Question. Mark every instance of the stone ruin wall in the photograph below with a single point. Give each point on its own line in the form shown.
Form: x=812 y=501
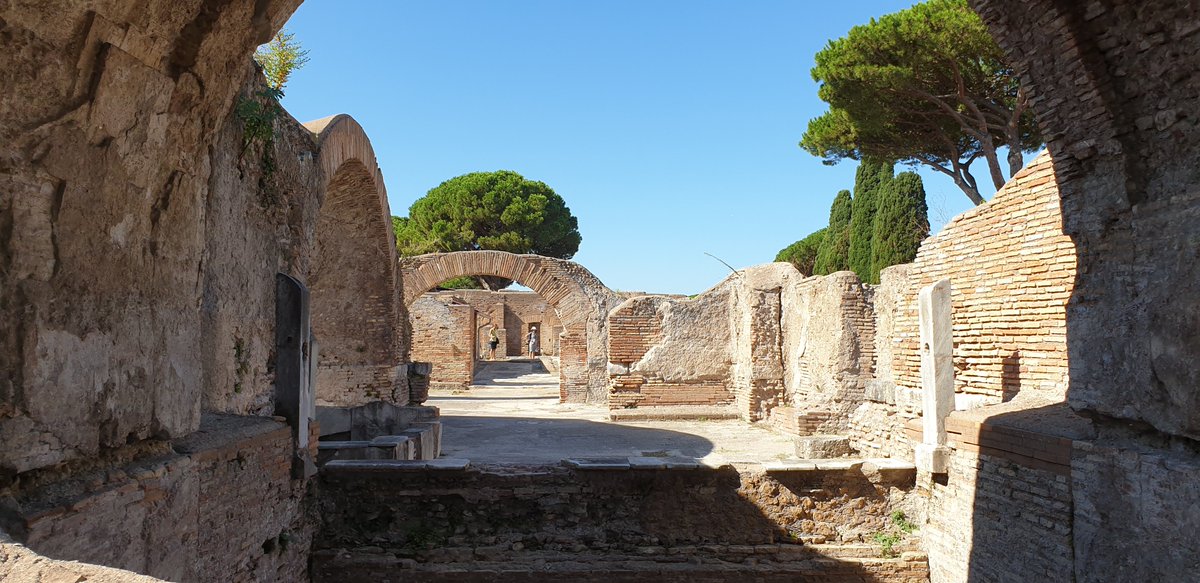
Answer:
x=123 y=158
x=766 y=342
x=443 y=330
x=1011 y=271
x=670 y=352
x=624 y=524
x=218 y=505
x=139 y=241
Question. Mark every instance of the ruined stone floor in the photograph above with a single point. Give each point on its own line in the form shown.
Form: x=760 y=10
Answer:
x=524 y=424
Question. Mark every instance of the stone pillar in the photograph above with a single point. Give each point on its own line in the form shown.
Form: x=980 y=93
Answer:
x=294 y=394
x=937 y=375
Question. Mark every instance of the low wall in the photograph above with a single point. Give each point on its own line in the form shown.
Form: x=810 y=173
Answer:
x=218 y=505
x=374 y=515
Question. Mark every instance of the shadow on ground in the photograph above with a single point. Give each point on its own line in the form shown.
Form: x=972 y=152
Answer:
x=538 y=439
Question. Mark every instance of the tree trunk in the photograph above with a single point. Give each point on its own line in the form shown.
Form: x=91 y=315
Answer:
x=1016 y=160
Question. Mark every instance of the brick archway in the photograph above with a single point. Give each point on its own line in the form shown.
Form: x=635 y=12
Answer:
x=580 y=299
x=357 y=315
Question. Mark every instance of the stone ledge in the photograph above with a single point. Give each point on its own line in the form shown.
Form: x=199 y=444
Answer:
x=839 y=465
x=445 y=464
x=675 y=413
x=637 y=463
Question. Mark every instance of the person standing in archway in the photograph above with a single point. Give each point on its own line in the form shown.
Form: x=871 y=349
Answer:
x=493 y=342
x=535 y=347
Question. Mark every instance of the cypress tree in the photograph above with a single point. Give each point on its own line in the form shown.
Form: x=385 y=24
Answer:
x=901 y=223
x=803 y=253
x=834 y=252
x=869 y=180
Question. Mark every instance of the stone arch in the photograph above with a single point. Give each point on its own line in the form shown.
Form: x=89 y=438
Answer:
x=581 y=300
x=357 y=315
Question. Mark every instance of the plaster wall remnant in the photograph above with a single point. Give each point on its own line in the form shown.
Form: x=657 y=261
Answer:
x=579 y=299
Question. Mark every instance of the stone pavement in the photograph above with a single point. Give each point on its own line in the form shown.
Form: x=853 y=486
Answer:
x=517 y=419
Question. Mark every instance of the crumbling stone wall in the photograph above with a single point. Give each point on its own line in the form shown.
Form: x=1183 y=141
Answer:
x=765 y=339
x=444 y=332
x=111 y=118
x=1012 y=271
x=218 y=505
x=376 y=517
x=667 y=352
x=829 y=334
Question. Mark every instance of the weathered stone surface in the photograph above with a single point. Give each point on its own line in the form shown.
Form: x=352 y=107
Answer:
x=937 y=361
x=18 y=564
x=822 y=446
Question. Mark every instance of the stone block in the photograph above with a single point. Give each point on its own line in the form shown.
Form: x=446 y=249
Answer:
x=334 y=420
x=434 y=436
x=881 y=391
x=822 y=446
x=393 y=447
x=647 y=463
x=931 y=458
x=598 y=463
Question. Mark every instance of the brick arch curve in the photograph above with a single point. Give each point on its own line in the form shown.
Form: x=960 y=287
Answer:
x=580 y=298
x=357 y=313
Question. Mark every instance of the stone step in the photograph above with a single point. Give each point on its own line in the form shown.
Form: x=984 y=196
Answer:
x=711 y=564
x=822 y=446
x=676 y=413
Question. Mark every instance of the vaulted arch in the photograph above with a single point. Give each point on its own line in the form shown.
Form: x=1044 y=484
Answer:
x=357 y=314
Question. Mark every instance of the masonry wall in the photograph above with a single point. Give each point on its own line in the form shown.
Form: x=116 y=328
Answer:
x=1011 y=271
x=444 y=334
x=670 y=352
x=767 y=342
x=218 y=505
x=628 y=506
x=998 y=520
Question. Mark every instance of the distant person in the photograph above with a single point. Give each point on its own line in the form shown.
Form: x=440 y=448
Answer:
x=493 y=342
x=535 y=347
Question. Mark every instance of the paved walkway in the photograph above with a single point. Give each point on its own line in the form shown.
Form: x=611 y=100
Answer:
x=514 y=417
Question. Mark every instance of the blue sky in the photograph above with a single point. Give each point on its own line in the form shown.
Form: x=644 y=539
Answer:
x=668 y=126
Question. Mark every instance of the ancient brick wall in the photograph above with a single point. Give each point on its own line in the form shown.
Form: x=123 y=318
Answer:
x=219 y=505
x=471 y=518
x=671 y=351
x=443 y=332
x=998 y=520
x=1011 y=271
